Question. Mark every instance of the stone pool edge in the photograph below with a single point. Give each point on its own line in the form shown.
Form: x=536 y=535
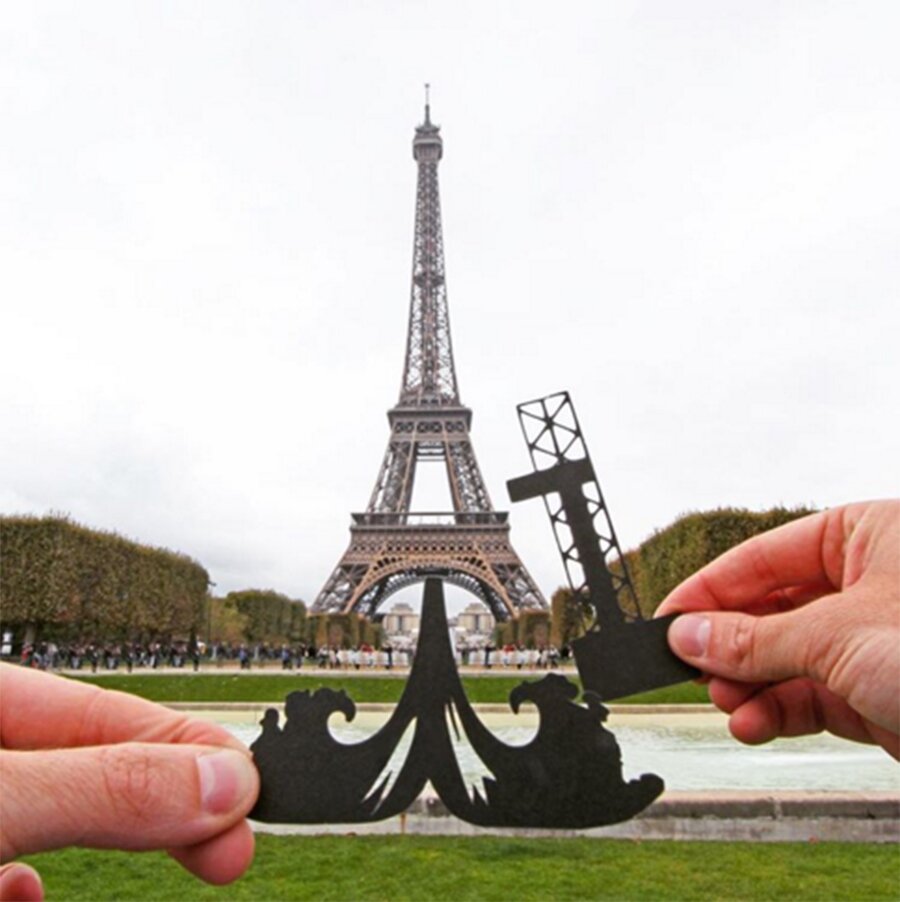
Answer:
x=737 y=816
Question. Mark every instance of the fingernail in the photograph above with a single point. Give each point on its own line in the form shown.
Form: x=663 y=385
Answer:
x=21 y=882
x=226 y=777
x=689 y=635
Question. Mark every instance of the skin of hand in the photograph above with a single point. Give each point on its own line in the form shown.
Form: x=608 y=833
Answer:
x=85 y=766
x=798 y=629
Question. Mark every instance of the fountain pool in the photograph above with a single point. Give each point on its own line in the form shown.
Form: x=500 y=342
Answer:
x=690 y=751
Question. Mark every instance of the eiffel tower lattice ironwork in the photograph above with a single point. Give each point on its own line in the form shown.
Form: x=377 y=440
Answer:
x=391 y=546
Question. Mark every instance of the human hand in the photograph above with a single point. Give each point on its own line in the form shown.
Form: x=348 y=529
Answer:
x=85 y=766
x=800 y=627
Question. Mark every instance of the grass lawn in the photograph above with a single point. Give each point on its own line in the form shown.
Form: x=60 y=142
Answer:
x=491 y=868
x=236 y=687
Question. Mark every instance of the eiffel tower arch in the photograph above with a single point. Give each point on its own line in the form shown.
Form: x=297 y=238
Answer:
x=391 y=545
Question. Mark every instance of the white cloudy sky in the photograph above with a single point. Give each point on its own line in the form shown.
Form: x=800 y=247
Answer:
x=688 y=214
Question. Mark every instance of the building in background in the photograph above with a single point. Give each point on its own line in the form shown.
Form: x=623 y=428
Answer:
x=401 y=622
x=476 y=620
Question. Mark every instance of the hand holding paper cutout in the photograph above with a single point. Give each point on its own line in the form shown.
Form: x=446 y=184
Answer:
x=799 y=627
x=85 y=766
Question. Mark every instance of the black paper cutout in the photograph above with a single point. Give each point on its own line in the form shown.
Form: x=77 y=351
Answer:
x=622 y=653
x=568 y=776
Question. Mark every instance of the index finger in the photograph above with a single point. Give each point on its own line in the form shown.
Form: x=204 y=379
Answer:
x=800 y=554
x=41 y=711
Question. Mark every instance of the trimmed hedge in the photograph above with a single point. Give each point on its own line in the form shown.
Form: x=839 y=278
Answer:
x=670 y=556
x=343 y=631
x=58 y=574
x=268 y=616
x=530 y=628
x=569 y=617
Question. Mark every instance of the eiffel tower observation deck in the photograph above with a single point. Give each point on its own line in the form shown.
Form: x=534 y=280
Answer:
x=393 y=546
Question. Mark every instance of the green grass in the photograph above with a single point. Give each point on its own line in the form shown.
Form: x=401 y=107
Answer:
x=491 y=868
x=682 y=694
x=236 y=687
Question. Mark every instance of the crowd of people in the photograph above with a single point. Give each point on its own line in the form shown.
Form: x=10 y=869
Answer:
x=96 y=656
x=486 y=655
x=113 y=656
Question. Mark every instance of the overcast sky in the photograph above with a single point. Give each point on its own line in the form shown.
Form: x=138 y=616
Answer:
x=685 y=213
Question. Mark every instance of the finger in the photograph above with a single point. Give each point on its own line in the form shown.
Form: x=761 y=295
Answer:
x=129 y=796
x=20 y=883
x=222 y=859
x=789 y=599
x=727 y=695
x=806 y=552
x=77 y=714
x=801 y=707
x=749 y=649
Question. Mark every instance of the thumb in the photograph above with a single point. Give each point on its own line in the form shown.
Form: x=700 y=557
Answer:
x=127 y=796
x=20 y=883
x=743 y=647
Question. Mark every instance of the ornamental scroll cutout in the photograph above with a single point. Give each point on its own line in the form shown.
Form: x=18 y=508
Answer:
x=568 y=776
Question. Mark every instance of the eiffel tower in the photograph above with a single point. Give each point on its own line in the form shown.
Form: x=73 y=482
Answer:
x=391 y=546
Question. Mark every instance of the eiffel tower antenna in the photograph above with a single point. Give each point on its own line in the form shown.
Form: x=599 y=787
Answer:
x=392 y=546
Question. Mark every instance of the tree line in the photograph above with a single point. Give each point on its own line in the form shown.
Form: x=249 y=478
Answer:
x=61 y=577
x=63 y=580
x=257 y=615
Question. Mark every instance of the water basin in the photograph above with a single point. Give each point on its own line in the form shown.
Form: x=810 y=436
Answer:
x=692 y=751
